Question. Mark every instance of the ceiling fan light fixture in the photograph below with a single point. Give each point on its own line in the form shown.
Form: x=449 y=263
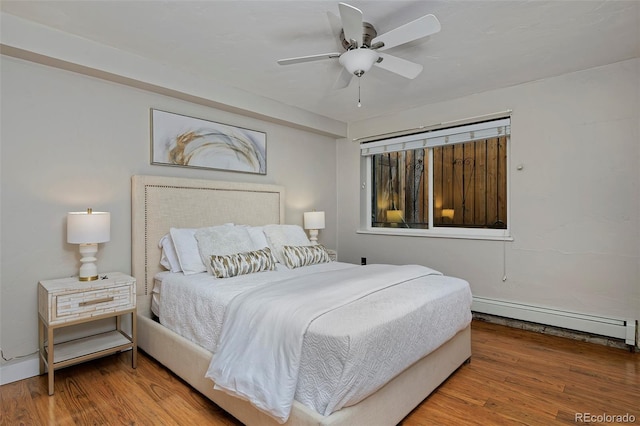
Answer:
x=358 y=61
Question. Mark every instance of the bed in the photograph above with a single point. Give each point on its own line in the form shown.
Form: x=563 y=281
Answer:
x=159 y=203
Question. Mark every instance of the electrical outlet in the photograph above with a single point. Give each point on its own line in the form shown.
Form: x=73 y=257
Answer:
x=363 y=260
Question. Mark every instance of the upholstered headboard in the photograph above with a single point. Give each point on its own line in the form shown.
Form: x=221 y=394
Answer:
x=159 y=203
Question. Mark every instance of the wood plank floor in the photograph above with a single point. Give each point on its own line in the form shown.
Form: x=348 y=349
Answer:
x=515 y=377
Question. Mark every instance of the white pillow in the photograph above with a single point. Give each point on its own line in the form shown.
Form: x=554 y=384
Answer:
x=186 y=246
x=169 y=257
x=285 y=235
x=221 y=240
x=257 y=236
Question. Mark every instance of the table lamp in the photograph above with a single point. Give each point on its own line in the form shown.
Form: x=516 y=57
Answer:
x=88 y=229
x=313 y=221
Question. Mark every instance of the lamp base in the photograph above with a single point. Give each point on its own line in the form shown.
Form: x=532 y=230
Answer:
x=93 y=278
x=88 y=269
x=313 y=236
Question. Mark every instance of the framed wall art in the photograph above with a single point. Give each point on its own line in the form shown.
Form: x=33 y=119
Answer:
x=179 y=140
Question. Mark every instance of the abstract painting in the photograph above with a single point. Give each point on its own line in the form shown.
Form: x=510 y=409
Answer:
x=179 y=140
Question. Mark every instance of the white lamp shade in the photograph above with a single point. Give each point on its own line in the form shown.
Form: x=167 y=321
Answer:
x=314 y=220
x=358 y=60
x=88 y=227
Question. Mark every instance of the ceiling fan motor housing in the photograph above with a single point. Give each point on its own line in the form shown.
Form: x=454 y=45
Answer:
x=368 y=34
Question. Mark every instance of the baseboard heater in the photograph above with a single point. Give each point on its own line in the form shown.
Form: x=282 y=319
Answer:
x=618 y=328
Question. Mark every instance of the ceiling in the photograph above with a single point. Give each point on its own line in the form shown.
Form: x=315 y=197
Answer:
x=483 y=45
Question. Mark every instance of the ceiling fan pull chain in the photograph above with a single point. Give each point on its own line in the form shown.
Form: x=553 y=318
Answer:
x=359 y=103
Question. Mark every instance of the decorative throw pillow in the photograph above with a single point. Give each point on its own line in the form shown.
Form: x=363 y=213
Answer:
x=221 y=240
x=231 y=265
x=297 y=256
x=279 y=236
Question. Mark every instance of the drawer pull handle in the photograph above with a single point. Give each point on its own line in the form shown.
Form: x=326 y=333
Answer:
x=96 y=301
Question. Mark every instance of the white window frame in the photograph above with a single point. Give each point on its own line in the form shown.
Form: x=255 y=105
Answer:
x=429 y=140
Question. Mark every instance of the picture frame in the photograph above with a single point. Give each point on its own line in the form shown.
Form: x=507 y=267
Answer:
x=183 y=141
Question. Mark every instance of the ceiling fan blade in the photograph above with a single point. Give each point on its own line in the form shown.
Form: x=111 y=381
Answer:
x=413 y=30
x=351 y=22
x=399 y=66
x=309 y=58
x=343 y=80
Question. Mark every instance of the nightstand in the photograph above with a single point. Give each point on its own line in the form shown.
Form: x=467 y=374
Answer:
x=68 y=301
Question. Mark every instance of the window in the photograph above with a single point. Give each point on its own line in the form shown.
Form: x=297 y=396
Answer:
x=449 y=181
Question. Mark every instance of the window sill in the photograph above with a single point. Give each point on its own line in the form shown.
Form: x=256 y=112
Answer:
x=432 y=234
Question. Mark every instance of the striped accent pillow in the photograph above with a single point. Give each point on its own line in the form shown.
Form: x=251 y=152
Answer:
x=297 y=256
x=231 y=265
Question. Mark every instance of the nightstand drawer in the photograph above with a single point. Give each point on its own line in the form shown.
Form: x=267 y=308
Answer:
x=91 y=302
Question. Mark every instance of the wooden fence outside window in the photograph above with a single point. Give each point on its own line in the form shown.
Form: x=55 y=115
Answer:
x=469 y=186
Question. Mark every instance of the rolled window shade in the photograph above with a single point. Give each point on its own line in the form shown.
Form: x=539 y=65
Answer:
x=440 y=137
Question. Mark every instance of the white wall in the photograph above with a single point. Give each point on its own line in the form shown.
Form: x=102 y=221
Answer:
x=574 y=207
x=69 y=141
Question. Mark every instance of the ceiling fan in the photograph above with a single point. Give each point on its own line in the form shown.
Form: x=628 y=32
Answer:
x=363 y=47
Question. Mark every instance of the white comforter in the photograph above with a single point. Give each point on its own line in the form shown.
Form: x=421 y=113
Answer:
x=260 y=347
x=348 y=353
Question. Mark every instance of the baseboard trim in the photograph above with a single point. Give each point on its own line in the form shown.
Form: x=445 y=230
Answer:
x=19 y=370
x=618 y=328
